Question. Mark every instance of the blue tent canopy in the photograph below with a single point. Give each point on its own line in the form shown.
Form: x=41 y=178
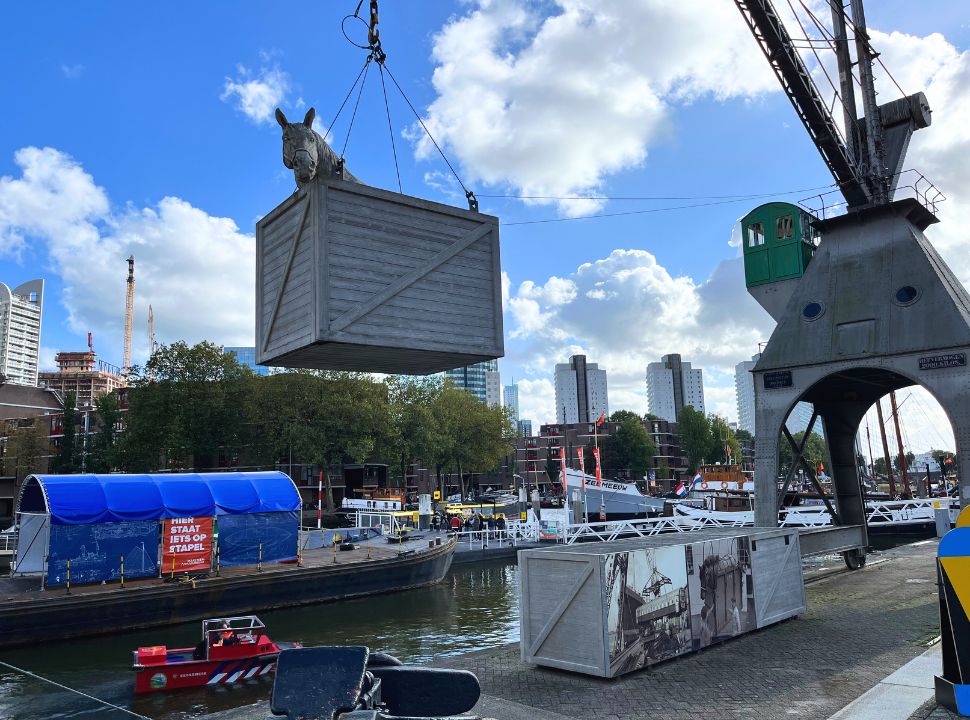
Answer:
x=85 y=499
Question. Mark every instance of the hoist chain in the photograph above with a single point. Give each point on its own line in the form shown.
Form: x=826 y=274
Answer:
x=374 y=35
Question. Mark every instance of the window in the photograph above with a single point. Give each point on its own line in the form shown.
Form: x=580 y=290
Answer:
x=756 y=235
x=783 y=227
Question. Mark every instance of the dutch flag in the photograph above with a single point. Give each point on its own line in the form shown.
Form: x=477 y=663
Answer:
x=697 y=479
x=681 y=490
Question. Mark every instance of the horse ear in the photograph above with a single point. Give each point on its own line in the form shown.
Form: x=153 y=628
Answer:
x=308 y=120
x=281 y=118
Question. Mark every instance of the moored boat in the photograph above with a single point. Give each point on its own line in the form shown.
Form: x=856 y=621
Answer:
x=231 y=650
x=609 y=500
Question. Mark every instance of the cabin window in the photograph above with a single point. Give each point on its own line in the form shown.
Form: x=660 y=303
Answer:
x=783 y=227
x=756 y=235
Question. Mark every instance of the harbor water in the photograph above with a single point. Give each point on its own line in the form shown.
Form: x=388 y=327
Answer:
x=474 y=607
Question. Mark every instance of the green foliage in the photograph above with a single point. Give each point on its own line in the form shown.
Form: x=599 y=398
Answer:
x=67 y=459
x=101 y=457
x=27 y=450
x=879 y=464
x=197 y=407
x=619 y=416
x=650 y=417
x=663 y=471
x=815 y=451
x=722 y=437
x=187 y=407
x=630 y=448
x=695 y=436
x=743 y=435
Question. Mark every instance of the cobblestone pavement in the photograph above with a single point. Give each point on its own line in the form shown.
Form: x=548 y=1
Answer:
x=858 y=629
x=932 y=711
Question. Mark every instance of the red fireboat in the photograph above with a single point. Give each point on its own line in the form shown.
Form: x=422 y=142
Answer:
x=232 y=649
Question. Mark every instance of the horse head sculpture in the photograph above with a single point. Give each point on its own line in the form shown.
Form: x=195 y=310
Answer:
x=306 y=153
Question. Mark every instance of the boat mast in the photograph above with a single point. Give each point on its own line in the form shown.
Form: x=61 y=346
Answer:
x=907 y=493
x=885 y=450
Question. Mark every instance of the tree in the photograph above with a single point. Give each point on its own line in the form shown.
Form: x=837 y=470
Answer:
x=879 y=464
x=631 y=447
x=619 y=416
x=101 y=458
x=186 y=408
x=743 y=436
x=722 y=437
x=27 y=450
x=663 y=471
x=695 y=436
x=66 y=459
x=815 y=452
x=411 y=433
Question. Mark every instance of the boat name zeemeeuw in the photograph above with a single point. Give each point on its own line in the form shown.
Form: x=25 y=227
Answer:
x=938 y=362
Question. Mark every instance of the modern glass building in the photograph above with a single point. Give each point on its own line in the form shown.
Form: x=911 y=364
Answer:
x=481 y=380
x=20 y=315
x=247 y=356
x=510 y=400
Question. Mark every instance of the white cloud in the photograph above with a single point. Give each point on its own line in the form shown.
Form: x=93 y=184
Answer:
x=554 y=105
x=72 y=72
x=46 y=360
x=257 y=94
x=536 y=398
x=626 y=310
x=196 y=270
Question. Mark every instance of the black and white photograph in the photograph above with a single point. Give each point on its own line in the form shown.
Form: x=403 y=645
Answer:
x=648 y=616
x=721 y=592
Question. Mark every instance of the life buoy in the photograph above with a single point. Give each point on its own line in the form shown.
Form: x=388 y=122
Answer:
x=704 y=485
x=724 y=486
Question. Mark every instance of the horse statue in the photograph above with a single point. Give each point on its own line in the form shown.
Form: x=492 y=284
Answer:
x=307 y=154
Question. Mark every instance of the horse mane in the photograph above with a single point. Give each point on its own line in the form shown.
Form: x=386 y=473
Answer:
x=328 y=161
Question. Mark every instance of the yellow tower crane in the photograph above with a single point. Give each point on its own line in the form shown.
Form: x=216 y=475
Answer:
x=129 y=313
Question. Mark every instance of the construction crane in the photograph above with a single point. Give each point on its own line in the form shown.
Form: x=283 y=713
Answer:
x=865 y=160
x=152 y=345
x=129 y=314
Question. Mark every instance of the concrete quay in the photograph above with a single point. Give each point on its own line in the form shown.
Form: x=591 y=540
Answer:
x=865 y=634
x=860 y=628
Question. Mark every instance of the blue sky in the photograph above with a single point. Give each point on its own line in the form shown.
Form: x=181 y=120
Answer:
x=152 y=133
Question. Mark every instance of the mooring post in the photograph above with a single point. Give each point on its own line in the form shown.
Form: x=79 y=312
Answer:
x=259 y=566
x=122 y=572
x=173 y=565
x=218 y=565
x=68 y=577
x=335 y=550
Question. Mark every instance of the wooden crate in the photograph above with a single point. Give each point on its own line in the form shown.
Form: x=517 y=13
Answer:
x=610 y=608
x=350 y=277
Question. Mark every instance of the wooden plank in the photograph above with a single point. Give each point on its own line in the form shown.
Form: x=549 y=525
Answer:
x=321 y=296
x=398 y=337
x=396 y=319
x=409 y=279
x=559 y=609
x=405 y=308
x=350 y=292
x=437 y=291
x=402 y=251
x=372 y=263
x=339 y=186
x=280 y=209
x=497 y=290
x=403 y=237
x=279 y=292
x=381 y=218
x=391 y=313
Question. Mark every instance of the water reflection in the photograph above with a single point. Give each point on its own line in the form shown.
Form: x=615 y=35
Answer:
x=475 y=606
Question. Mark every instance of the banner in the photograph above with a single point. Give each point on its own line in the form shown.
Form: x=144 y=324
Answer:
x=562 y=461
x=582 y=466
x=186 y=544
x=599 y=473
x=96 y=551
x=247 y=539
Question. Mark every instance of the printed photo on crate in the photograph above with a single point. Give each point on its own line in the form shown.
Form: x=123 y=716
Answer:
x=721 y=591
x=648 y=616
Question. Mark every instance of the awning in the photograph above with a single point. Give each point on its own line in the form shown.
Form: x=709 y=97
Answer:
x=82 y=499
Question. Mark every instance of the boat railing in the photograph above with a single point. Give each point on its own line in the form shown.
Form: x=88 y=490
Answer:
x=513 y=534
x=8 y=544
x=611 y=530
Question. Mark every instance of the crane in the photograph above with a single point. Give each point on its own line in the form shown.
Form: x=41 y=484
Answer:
x=866 y=159
x=129 y=314
x=152 y=345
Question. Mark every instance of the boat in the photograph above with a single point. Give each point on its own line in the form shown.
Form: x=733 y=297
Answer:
x=611 y=500
x=231 y=650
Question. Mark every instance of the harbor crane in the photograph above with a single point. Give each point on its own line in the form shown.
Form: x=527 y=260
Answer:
x=873 y=307
x=129 y=315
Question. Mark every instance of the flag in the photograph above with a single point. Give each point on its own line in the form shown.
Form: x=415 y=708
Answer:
x=599 y=474
x=562 y=461
x=602 y=419
x=582 y=466
x=728 y=448
x=681 y=490
x=697 y=478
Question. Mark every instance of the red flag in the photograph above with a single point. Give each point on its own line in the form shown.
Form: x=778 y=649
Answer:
x=582 y=466
x=602 y=419
x=599 y=474
x=562 y=461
